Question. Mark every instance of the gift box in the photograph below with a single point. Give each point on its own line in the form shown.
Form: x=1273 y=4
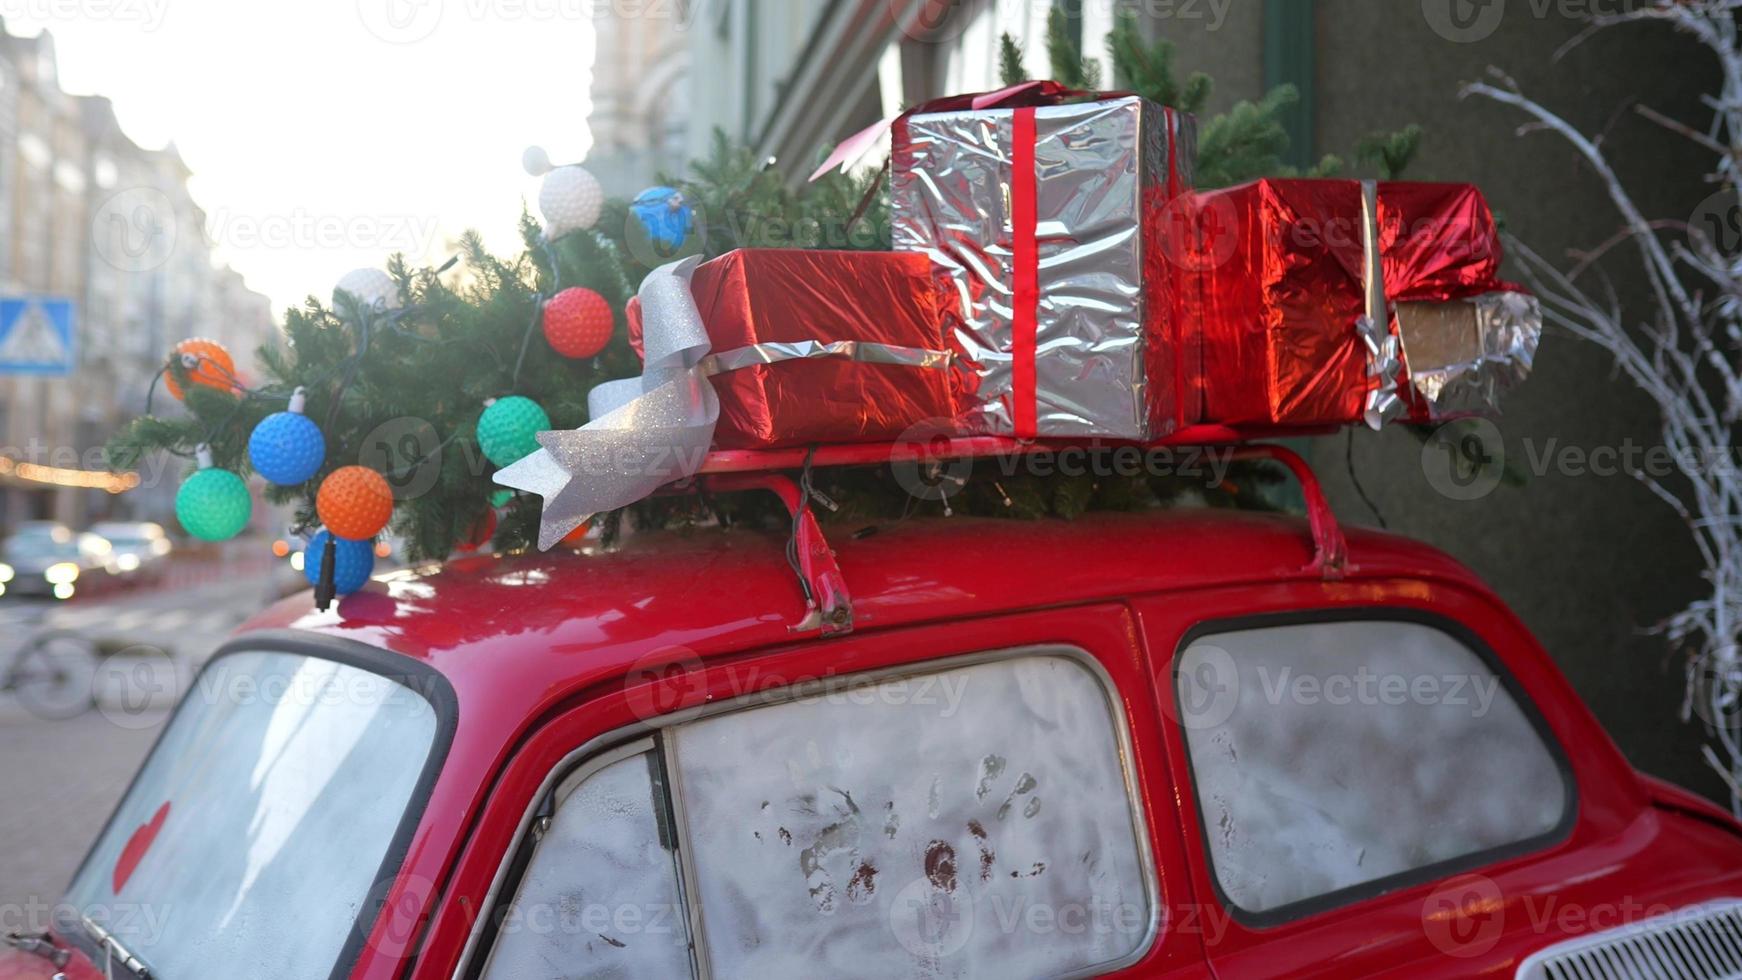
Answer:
x=1326 y=302
x=812 y=346
x=1046 y=207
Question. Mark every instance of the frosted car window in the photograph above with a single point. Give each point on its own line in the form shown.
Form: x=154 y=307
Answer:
x=974 y=823
x=600 y=897
x=1330 y=755
x=254 y=834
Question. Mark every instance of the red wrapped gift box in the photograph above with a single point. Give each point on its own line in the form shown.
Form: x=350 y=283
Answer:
x=885 y=304
x=1275 y=279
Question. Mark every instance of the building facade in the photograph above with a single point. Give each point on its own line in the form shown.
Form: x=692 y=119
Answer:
x=89 y=216
x=641 y=96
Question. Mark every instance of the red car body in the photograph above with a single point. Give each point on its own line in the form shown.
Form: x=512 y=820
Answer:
x=545 y=654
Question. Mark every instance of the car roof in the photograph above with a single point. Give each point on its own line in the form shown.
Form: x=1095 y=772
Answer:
x=573 y=619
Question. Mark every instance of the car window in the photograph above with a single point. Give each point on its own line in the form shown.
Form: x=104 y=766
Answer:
x=1332 y=755
x=600 y=897
x=971 y=822
x=256 y=831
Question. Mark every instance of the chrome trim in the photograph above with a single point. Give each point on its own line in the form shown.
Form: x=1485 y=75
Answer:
x=811 y=689
x=113 y=951
x=1662 y=946
x=686 y=865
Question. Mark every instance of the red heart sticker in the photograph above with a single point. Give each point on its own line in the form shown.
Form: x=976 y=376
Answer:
x=136 y=847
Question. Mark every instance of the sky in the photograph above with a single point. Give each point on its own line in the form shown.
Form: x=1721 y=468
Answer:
x=325 y=135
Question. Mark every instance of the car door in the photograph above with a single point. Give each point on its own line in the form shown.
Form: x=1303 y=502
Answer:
x=970 y=798
x=1366 y=787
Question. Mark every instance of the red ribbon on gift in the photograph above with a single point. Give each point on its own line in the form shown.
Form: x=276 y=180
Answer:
x=1027 y=94
x=1025 y=275
x=1024 y=214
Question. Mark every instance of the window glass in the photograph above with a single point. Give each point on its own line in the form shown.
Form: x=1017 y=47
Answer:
x=968 y=823
x=1330 y=755
x=254 y=835
x=600 y=897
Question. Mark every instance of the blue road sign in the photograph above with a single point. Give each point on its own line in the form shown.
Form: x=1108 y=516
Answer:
x=36 y=335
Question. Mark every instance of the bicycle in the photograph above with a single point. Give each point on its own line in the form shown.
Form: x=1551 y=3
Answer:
x=52 y=674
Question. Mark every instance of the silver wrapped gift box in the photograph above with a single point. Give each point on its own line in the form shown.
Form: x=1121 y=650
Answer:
x=1050 y=221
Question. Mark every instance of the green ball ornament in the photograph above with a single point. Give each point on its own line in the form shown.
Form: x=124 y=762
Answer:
x=508 y=430
x=213 y=504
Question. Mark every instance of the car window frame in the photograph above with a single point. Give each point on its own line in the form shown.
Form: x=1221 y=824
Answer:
x=1342 y=898
x=421 y=678
x=475 y=955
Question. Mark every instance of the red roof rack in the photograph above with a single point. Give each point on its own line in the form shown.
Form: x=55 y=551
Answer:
x=829 y=606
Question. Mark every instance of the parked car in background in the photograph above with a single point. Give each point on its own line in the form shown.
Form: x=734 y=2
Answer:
x=139 y=549
x=44 y=558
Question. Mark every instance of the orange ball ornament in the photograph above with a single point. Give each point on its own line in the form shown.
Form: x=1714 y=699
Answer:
x=355 y=503
x=208 y=364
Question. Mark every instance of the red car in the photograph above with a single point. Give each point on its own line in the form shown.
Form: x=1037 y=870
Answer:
x=1178 y=744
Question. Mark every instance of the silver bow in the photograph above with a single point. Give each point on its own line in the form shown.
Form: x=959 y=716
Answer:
x=654 y=430
x=646 y=432
x=1384 y=352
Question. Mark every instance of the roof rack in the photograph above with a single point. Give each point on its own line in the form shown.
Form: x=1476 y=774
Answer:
x=829 y=605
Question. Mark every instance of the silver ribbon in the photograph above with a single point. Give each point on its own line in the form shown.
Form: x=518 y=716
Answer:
x=1384 y=352
x=646 y=432
x=657 y=429
x=851 y=350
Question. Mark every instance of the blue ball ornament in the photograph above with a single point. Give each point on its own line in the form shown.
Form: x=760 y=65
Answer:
x=666 y=217
x=353 y=562
x=287 y=448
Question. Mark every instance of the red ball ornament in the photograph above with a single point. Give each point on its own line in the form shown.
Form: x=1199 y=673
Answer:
x=578 y=537
x=355 y=503
x=578 y=323
x=480 y=533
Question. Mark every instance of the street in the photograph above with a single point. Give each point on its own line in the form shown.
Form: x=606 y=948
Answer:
x=68 y=751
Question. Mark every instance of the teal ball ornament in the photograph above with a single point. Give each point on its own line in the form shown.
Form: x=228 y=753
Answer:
x=508 y=430
x=213 y=505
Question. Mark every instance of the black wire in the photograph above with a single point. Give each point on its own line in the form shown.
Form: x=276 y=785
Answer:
x=556 y=286
x=1355 y=478
x=798 y=513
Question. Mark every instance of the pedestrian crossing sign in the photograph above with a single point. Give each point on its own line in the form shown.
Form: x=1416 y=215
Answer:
x=36 y=335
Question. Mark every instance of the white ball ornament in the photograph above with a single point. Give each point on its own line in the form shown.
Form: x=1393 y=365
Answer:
x=535 y=161
x=571 y=200
x=370 y=288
